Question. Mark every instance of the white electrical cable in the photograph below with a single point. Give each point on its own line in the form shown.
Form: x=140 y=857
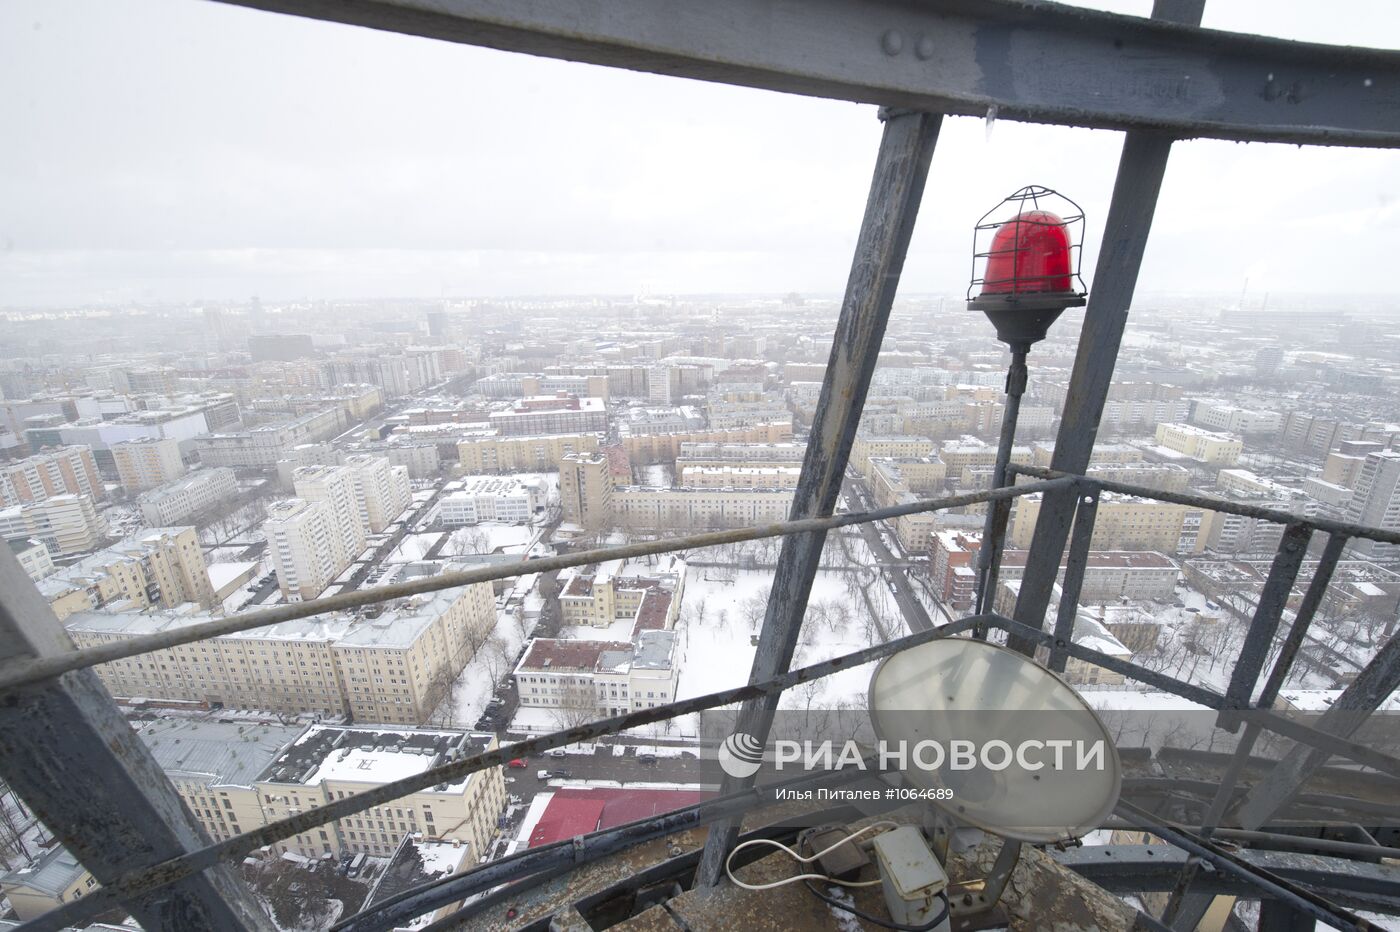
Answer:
x=807 y=860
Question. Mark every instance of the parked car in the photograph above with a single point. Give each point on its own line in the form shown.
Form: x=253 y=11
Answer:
x=494 y=701
x=649 y=759
x=556 y=752
x=518 y=763
x=543 y=775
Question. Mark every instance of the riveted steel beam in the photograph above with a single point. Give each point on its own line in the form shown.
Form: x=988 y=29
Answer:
x=1039 y=62
x=76 y=763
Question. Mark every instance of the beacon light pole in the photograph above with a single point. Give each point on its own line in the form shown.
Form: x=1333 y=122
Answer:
x=1030 y=274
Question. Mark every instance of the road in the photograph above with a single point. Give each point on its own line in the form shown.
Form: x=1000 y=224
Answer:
x=916 y=617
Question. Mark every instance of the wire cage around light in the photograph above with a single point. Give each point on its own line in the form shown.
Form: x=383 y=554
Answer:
x=1028 y=249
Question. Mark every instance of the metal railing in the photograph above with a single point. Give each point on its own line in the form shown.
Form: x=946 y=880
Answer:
x=1384 y=669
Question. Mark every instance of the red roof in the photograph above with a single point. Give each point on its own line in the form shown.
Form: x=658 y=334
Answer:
x=651 y=614
x=580 y=810
x=565 y=818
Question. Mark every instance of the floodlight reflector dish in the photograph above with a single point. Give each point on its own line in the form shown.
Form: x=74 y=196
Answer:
x=936 y=700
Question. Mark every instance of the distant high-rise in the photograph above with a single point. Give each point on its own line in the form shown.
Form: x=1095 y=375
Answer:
x=1267 y=360
x=146 y=463
x=1377 y=499
x=307 y=547
x=335 y=487
x=585 y=487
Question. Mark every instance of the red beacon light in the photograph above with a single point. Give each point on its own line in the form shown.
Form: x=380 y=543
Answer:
x=1030 y=264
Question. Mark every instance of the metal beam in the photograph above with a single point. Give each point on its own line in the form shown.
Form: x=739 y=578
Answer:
x=1039 y=62
x=1154 y=868
x=896 y=189
x=69 y=754
x=1372 y=686
x=1140 y=170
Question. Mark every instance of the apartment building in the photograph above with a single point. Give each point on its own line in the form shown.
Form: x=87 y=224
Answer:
x=902 y=481
x=740 y=454
x=336 y=488
x=961 y=455
x=888 y=446
x=236 y=777
x=393 y=663
x=1104 y=454
x=581 y=680
x=262 y=447
x=156 y=567
x=54 y=879
x=307 y=543
x=496 y=454
x=1206 y=446
x=1376 y=501
x=66 y=524
x=491 y=498
x=586 y=490
x=1343 y=465
x=647 y=599
x=559 y=414
x=657 y=448
x=739 y=477
x=1215 y=415
x=1125 y=523
x=58 y=471
x=148 y=462
x=953 y=567
x=328 y=763
x=33 y=558
x=1110 y=575
x=382 y=489
x=194 y=494
x=215 y=766
x=641 y=507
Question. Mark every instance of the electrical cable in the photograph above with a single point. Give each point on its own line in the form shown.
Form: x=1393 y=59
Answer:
x=801 y=860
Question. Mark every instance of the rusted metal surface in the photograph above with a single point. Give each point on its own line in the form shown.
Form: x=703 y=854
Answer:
x=896 y=190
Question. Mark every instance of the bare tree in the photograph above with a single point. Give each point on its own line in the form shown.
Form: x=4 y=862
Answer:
x=577 y=705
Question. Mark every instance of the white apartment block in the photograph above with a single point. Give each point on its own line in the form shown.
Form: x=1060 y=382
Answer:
x=641 y=507
x=193 y=494
x=546 y=415
x=58 y=471
x=383 y=489
x=1136 y=575
x=307 y=545
x=65 y=523
x=1376 y=501
x=693 y=453
x=393 y=663
x=337 y=489
x=491 y=498
x=33 y=558
x=584 y=679
x=1214 y=415
x=740 y=477
x=148 y=462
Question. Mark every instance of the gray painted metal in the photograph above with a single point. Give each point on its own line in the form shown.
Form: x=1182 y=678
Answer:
x=896 y=190
x=1185 y=908
x=1266 y=882
x=1278 y=917
x=1372 y=686
x=1315 y=737
x=989 y=556
x=1080 y=540
x=1043 y=63
x=1140 y=171
x=1132 y=868
x=20 y=671
x=76 y=763
x=142 y=881
x=1272 y=601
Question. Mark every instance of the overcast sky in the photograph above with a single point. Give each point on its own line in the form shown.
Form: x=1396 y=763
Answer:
x=187 y=150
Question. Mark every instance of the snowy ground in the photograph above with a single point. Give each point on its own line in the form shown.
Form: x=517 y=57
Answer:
x=479 y=678
x=489 y=537
x=413 y=547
